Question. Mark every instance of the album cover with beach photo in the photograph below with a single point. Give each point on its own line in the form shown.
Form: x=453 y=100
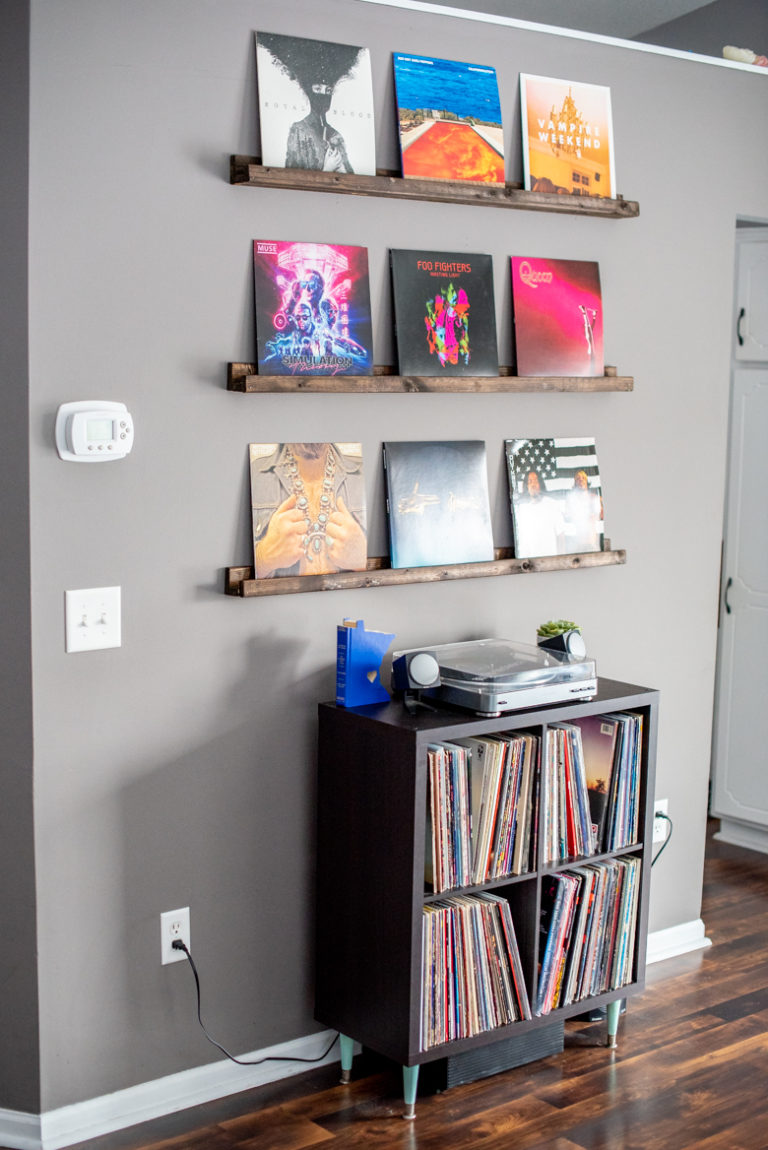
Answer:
x=449 y=116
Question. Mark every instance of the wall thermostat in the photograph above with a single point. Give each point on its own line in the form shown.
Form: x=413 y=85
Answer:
x=93 y=431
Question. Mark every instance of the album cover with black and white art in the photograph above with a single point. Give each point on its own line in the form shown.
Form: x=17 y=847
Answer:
x=315 y=104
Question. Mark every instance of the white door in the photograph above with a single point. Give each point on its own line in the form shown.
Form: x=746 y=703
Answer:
x=740 y=748
x=751 y=297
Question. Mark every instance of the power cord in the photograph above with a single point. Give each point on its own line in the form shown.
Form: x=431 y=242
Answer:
x=657 y=856
x=178 y=944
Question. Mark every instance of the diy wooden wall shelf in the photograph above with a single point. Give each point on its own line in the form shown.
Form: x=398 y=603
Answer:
x=249 y=172
x=240 y=580
x=243 y=377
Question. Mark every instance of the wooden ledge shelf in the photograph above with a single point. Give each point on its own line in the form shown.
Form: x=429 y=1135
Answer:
x=249 y=172
x=240 y=580
x=243 y=377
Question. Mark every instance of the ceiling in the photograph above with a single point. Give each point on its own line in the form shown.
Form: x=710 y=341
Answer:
x=623 y=19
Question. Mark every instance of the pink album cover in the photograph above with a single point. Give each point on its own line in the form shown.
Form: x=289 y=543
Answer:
x=558 y=317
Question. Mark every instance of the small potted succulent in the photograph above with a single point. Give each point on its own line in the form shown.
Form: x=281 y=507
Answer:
x=561 y=635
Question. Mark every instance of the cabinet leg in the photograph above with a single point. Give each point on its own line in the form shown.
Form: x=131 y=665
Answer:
x=612 y=1012
x=347 y=1053
x=410 y=1085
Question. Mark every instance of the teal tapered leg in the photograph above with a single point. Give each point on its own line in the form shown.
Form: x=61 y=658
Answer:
x=410 y=1085
x=612 y=1012
x=347 y=1053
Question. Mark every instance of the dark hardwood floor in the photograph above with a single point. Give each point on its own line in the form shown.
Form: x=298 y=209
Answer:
x=691 y=1068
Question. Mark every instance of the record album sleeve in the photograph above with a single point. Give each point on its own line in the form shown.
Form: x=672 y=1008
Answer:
x=445 y=316
x=449 y=118
x=556 y=496
x=308 y=508
x=567 y=137
x=315 y=104
x=437 y=503
x=313 y=308
x=558 y=317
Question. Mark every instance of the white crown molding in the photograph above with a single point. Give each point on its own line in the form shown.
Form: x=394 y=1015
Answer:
x=573 y=33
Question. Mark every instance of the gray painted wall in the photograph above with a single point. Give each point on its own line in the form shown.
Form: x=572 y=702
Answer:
x=179 y=769
x=19 y=1050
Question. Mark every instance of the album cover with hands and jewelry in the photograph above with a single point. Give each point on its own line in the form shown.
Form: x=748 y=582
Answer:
x=308 y=507
x=313 y=308
x=445 y=317
x=558 y=317
x=437 y=503
x=315 y=105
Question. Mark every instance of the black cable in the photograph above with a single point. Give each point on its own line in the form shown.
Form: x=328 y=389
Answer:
x=661 y=815
x=177 y=944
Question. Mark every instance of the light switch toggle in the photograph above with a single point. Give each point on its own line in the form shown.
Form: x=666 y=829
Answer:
x=92 y=619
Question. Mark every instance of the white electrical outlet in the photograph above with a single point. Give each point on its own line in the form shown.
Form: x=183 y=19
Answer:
x=174 y=924
x=660 y=826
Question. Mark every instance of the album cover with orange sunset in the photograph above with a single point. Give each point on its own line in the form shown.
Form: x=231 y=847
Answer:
x=558 y=316
x=567 y=137
x=450 y=120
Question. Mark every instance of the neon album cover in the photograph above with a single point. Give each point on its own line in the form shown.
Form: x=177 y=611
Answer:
x=445 y=317
x=449 y=118
x=567 y=137
x=313 y=309
x=558 y=317
x=315 y=104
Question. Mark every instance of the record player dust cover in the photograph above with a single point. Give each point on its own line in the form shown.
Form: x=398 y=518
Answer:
x=313 y=308
x=445 y=315
x=437 y=502
x=315 y=105
x=449 y=117
x=558 y=317
x=567 y=137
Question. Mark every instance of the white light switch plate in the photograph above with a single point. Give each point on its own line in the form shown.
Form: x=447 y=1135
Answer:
x=92 y=617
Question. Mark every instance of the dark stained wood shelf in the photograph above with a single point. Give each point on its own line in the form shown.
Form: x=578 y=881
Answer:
x=240 y=580
x=243 y=377
x=248 y=171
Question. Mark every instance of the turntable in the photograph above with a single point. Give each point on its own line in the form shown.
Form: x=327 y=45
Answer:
x=491 y=676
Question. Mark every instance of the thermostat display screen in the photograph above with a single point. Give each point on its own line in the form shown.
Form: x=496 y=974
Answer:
x=99 y=430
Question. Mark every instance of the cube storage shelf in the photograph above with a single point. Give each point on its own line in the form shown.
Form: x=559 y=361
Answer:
x=372 y=804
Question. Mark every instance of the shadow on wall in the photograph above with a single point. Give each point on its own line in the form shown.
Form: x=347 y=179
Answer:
x=227 y=829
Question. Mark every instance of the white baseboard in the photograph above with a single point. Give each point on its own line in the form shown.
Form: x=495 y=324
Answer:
x=748 y=835
x=69 y=1124
x=676 y=940
x=98 y=1116
x=20 y=1131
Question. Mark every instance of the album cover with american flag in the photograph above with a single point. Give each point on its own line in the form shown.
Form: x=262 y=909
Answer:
x=555 y=495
